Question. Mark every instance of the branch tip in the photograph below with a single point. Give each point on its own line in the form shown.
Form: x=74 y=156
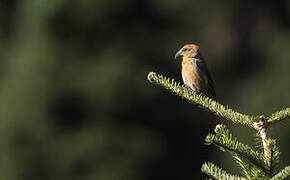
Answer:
x=151 y=75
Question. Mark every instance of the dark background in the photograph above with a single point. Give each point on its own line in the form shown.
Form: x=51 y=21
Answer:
x=75 y=102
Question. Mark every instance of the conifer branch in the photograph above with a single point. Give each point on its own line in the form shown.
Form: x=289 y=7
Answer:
x=279 y=116
x=225 y=141
x=255 y=165
x=201 y=100
x=218 y=173
x=283 y=174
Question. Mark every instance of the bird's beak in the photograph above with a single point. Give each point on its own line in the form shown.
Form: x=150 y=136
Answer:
x=178 y=54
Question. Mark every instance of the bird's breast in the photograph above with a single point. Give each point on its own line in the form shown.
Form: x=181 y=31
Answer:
x=190 y=74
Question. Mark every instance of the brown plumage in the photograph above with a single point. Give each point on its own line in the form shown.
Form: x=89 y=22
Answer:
x=195 y=73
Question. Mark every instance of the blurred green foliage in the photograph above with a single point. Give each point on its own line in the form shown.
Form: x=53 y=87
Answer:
x=74 y=100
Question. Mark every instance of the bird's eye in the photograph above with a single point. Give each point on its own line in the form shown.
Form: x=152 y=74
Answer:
x=185 y=49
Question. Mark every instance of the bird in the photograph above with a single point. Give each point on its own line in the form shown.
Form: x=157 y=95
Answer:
x=195 y=73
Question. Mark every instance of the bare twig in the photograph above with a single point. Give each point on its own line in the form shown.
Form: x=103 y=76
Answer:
x=261 y=127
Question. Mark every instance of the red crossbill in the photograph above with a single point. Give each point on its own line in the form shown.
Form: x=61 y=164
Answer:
x=195 y=73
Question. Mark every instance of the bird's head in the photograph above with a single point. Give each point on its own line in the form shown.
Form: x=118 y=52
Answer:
x=188 y=50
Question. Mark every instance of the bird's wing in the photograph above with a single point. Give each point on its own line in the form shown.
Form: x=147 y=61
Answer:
x=204 y=72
